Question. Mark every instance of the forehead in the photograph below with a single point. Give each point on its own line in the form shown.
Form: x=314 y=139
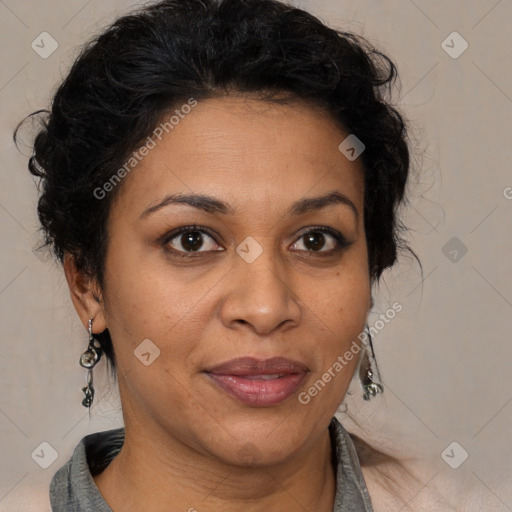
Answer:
x=248 y=152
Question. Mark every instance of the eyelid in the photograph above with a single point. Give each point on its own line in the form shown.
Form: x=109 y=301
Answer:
x=166 y=239
x=340 y=239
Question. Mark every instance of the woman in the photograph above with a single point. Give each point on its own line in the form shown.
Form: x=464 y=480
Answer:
x=220 y=181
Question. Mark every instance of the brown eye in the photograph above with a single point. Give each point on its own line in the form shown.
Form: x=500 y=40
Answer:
x=318 y=238
x=314 y=241
x=191 y=239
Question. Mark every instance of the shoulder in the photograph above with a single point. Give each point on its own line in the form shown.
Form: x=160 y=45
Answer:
x=72 y=487
x=411 y=485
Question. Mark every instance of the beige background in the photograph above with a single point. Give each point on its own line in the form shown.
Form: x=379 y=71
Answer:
x=445 y=358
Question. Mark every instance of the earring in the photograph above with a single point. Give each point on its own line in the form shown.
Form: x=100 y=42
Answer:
x=88 y=360
x=366 y=374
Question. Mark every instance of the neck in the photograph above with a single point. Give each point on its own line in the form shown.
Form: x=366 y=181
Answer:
x=154 y=470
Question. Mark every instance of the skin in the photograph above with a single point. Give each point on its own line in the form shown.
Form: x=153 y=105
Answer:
x=184 y=435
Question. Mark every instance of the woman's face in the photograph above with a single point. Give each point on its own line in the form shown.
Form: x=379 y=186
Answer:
x=247 y=282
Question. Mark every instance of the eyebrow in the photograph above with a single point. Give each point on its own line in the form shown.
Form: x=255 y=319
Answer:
x=213 y=205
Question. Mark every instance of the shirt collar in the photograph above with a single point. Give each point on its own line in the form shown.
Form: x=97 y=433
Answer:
x=73 y=489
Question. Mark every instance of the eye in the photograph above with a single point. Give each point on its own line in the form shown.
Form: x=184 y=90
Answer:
x=191 y=239
x=315 y=240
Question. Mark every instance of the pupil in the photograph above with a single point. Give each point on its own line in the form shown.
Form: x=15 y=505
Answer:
x=192 y=241
x=316 y=240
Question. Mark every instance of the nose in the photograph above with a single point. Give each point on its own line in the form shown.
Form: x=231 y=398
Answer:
x=260 y=296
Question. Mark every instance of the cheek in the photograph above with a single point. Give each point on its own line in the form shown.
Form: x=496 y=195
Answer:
x=339 y=309
x=342 y=302
x=148 y=299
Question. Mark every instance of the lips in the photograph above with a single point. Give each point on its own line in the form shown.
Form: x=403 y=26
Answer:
x=252 y=366
x=259 y=382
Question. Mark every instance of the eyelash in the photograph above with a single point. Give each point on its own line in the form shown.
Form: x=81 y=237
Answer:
x=341 y=242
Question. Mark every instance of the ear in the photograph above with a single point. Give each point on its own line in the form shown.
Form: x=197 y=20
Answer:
x=86 y=295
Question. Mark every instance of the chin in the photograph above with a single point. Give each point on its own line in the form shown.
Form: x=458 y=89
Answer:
x=254 y=446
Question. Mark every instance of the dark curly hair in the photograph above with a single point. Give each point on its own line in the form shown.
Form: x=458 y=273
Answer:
x=158 y=57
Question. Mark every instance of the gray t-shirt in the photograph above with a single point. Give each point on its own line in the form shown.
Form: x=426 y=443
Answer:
x=72 y=488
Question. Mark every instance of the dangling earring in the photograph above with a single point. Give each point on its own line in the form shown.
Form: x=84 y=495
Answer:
x=88 y=360
x=366 y=374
